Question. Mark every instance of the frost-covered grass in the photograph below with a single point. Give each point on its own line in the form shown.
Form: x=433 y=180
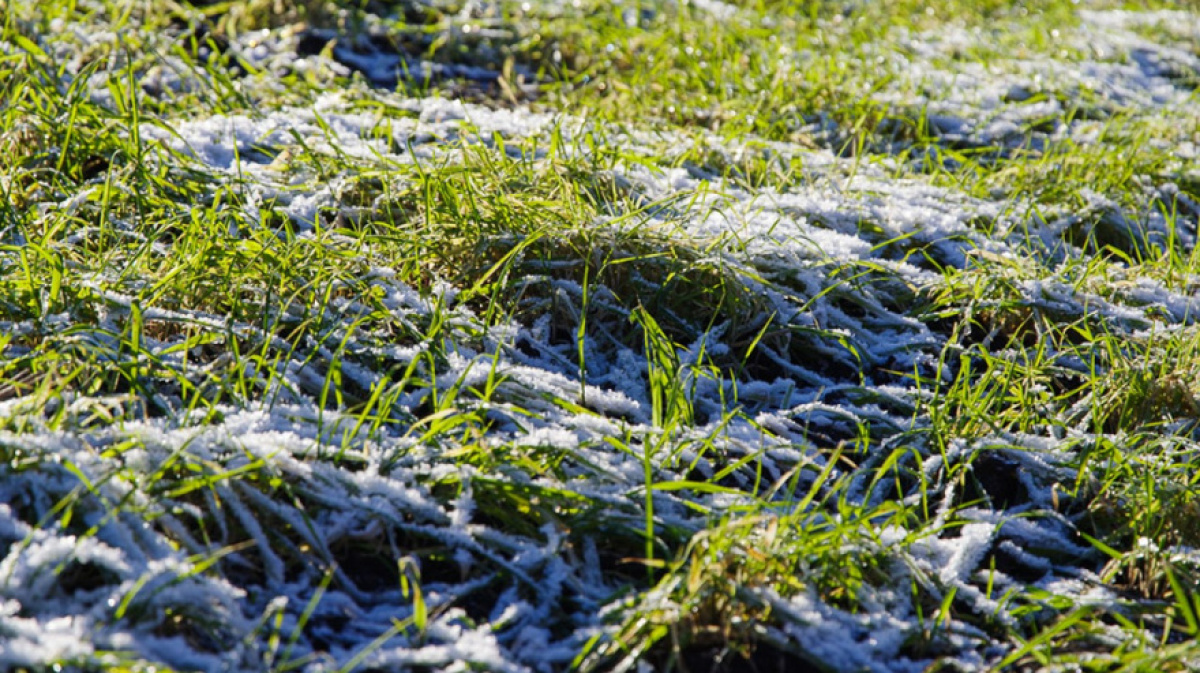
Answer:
x=540 y=336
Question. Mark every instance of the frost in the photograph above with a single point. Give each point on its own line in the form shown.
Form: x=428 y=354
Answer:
x=202 y=537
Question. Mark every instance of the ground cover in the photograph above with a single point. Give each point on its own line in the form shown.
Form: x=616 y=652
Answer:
x=519 y=336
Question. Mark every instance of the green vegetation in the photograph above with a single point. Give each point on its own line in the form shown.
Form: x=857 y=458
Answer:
x=514 y=336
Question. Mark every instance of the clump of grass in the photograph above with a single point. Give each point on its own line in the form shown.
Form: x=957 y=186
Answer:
x=1145 y=383
x=556 y=239
x=289 y=404
x=234 y=18
x=727 y=591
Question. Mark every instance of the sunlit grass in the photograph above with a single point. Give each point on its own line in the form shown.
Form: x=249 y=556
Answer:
x=583 y=376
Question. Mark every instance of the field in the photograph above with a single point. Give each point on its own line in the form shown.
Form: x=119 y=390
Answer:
x=670 y=335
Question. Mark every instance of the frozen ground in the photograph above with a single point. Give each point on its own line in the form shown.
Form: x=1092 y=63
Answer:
x=249 y=535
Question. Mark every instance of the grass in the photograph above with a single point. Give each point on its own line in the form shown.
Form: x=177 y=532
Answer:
x=775 y=334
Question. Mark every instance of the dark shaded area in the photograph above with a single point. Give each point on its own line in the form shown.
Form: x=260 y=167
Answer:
x=393 y=45
x=367 y=564
x=721 y=659
x=391 y=61
x=997 y=476
x=85 y=576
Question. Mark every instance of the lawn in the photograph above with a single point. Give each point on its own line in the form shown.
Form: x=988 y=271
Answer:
x=600 y=335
